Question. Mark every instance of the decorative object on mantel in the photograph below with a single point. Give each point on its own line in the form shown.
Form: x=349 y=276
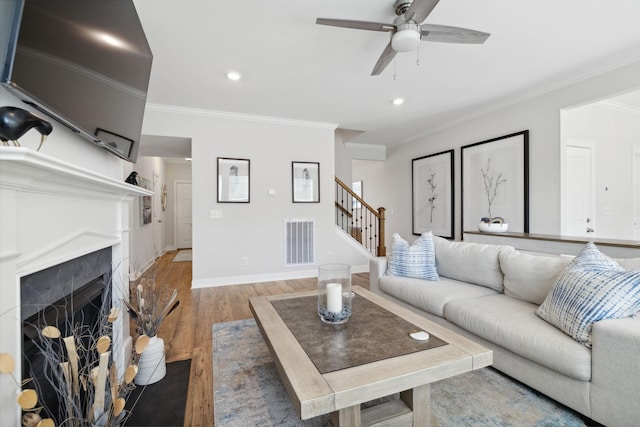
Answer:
x=15 y=122
x=79 y=370
x=150 y=305
x=493 y=225
x=495 y=177
x=334 y=293
x=132 y=178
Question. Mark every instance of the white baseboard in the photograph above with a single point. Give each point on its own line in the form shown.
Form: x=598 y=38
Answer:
x=135 y=275
x=260 y=278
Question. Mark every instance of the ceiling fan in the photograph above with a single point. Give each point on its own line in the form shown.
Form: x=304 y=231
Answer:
x=406 y=30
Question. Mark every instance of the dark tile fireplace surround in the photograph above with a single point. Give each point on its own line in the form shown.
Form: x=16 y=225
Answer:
x=68 y=295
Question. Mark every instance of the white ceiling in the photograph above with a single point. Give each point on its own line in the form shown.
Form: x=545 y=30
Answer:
x=295 y=69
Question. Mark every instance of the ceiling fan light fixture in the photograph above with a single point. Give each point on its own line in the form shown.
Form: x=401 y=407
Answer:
x=406 y=38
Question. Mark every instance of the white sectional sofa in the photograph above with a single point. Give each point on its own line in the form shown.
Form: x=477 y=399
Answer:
x=490 y=294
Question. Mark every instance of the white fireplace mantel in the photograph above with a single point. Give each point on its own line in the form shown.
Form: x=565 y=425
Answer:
x=52 y=211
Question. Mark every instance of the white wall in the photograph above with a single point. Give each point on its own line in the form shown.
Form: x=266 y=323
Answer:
x=541 y=115
x=615 y=134
x=254 y=230
x=142 y=245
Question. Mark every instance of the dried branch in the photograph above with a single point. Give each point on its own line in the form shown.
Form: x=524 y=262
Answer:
x=491 y=186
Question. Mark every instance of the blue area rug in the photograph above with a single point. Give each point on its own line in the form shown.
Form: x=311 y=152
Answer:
x=248 y=391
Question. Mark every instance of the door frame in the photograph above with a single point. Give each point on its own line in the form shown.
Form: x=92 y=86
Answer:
x=157 y=216
x=635 y=188
x=175 y=210
x=573 y=142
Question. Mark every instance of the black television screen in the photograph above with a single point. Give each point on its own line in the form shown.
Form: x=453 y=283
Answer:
x=85 y=63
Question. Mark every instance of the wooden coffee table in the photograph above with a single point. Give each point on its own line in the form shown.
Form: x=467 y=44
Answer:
x=335 y=368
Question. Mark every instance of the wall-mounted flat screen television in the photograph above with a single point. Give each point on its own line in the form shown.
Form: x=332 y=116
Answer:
x=85 y=63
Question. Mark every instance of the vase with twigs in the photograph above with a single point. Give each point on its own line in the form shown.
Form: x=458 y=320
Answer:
x=79 y=385
x=491 y=184
x=150 y=305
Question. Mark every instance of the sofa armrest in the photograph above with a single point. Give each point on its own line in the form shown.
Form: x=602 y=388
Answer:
x=615 y=374
x=377 y=269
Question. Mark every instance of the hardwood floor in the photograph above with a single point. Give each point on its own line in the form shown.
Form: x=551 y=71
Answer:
x=187 y=332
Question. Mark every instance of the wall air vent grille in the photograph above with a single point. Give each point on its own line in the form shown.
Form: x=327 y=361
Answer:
x=299 y=240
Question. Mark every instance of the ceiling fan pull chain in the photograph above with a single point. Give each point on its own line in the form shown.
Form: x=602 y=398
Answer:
x=394 y=69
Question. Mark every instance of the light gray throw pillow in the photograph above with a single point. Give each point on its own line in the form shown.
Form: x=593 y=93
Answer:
x=529 y=277
x=470 y=262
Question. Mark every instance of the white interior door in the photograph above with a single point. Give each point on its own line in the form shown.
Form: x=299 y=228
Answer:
x=636 y=194
x=579 y=218
x=183 y=211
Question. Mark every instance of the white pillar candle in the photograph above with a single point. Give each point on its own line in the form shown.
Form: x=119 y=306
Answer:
x=334 y=297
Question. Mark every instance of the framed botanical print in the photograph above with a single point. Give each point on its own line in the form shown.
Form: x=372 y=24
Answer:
x=495 y=183
x=432 y=194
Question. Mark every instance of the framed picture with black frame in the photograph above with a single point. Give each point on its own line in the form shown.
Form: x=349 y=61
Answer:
x=433 y=194
x=305 y=182
x=146 y=202
x=233 y=180
x=495 y=182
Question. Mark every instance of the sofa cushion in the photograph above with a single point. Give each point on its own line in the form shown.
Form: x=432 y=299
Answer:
x=469 y=262
x=431 y=296
x=416 y=260
x=592 y=287
x=512 y=324
x=629 y=263
x=529 y=277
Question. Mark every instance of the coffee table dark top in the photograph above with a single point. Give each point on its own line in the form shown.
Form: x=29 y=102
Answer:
x=371 y=334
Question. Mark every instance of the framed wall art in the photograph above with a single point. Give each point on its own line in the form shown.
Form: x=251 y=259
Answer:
x=146 y=202
x=495 y=182
x=432 y=194
x=305 y=182
x=233 y=180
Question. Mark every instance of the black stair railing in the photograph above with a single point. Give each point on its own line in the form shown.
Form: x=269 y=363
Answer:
x=362 y=222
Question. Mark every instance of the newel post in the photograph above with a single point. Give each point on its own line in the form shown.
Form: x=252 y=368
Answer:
x=382 y=249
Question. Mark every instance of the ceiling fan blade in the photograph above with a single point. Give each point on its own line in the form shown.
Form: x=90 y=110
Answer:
x=419 y=10
x=358 y=25
x=387 y=56
x=447 y=34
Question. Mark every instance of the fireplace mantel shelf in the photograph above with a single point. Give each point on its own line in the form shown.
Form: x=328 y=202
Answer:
x=28 y=170
x=53 y=212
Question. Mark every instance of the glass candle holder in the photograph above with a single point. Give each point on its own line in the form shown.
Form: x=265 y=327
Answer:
x=334 y=293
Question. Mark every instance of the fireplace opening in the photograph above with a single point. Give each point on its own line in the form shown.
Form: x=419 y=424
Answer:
x=86 y=298
x=79 y=315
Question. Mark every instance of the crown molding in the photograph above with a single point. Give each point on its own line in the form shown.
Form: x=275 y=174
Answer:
x=202 y=112
x=619 y=107
x=526 y=96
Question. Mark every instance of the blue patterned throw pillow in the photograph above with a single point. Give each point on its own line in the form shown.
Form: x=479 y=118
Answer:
x=417 y=260
x=592 y=287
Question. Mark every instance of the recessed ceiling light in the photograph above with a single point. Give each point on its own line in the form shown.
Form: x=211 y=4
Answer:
x=233 y=75
x=398 y=101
